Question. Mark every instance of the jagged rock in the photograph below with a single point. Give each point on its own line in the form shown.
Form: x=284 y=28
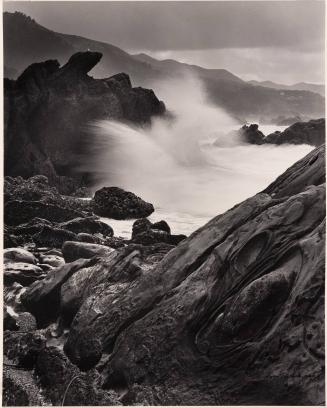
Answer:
x=42 y=298
x=311 y=132
x=13 y=255
x=23 y=273
x=77 y=250
x=162 y=226
x=64 y=384
x=89 y=225
x=114 y=202
x=53 y=237
x=251 y=134
x=19 y=212
x=35 y=145
x=226 y=315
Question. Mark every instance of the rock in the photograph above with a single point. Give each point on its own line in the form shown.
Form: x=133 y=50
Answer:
x=19 y=388
x=310 y=171
x=64 y=384
x=251 y=134
x=12 y=296
x=44 y=90
x=88 y=293
x=89 y=225
x=114 y=202
x=23 y=348
x=23 y=273
x=146 y=233
x=140 y=226
x=35 y=188
x=33 y=226
x=13 y=255
x=53 y=237
x=91 y=239
x=19 y=212
x=10 y=240
x=311 y=132
x=26 y=322
x=9 y=322
x=52 y=260
x=162 y=226
x=77 y=250
x=226 y=317
x=42 y=298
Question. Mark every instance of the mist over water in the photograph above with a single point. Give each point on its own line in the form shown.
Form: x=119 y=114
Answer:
x=174 y=165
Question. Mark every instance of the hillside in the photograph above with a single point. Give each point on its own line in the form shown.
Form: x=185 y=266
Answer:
x=300 y=86
x=26 y=42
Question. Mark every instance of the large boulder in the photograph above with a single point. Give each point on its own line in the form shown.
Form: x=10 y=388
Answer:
x=114 y=202
x=234 y=315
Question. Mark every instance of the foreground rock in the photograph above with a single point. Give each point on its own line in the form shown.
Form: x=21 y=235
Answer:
x=116 y=203
x=35 y=145
x=226 y=315
x=233 y=315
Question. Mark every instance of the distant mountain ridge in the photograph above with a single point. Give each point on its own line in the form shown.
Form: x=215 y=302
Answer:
x=300 y=86
x=26 y=42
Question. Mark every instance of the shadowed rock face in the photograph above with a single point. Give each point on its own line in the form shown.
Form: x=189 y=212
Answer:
x=311 y=132
x=48 y=108
x=233 y=315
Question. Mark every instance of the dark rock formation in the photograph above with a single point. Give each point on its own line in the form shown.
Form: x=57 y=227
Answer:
x=233 y=315
x=42 y=298
x=64 y=384
x=88 y=225
x=19 y=212
x=114 y=202
x=251 y=134
x=312 y=133
x=36 y=145
x=146 y=233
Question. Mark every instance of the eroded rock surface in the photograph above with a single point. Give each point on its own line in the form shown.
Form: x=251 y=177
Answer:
x=233 y=315
x=114 y=202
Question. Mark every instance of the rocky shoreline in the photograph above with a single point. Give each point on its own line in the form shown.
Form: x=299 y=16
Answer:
x=233 y=314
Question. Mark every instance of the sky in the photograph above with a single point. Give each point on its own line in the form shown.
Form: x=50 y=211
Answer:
x=282 y=41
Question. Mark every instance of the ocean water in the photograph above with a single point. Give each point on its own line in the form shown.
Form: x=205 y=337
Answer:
x=174 y=165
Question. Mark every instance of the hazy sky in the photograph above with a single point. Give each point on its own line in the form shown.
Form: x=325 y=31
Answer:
x=276 y=40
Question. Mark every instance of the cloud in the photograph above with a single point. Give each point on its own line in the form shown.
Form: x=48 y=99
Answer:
x=186 y=25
